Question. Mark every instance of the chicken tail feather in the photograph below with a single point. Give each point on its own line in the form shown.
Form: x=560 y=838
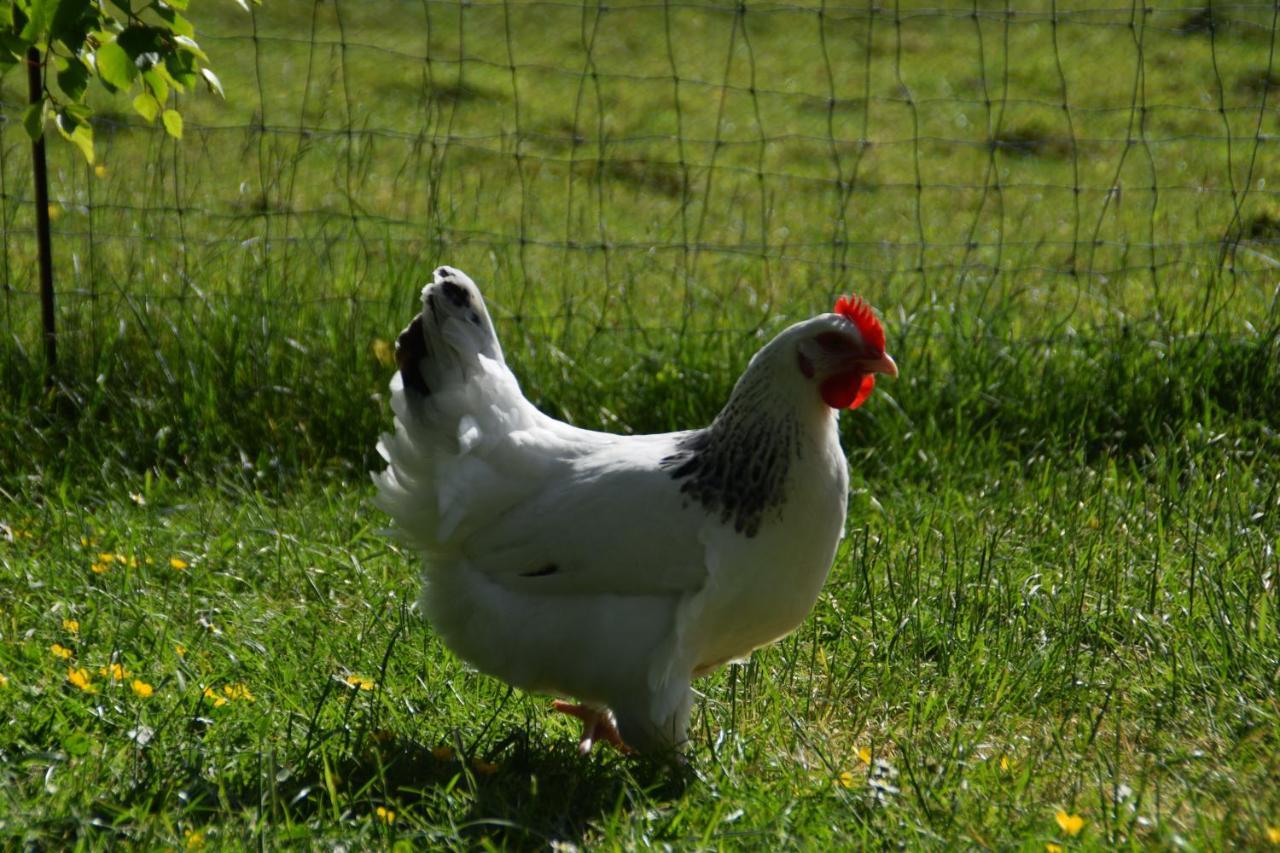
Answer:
x=454 y=400
x=411 y=349
x=442 y=346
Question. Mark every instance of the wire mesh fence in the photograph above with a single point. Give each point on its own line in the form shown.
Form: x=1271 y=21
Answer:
x=671 y=171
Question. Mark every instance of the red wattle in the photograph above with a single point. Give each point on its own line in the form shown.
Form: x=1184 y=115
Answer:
x=848 y=390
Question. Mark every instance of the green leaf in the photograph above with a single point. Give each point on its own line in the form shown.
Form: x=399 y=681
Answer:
x=78 y=131
x=215 y=85
x=33 y=120
x=140 y=39
x=12 y=48
x=173 y=123
x=114 y=66
x=74 y=79
x=178 y=24
x=163 y=73
x=83 y=139
x=182 y=68
x=66 y=122
x=177 y=4
x=72 y=22
x=83 y=112
x=147 y=106
x=190 y=44
x=157 y=82
x=6 y=15
x=39 y=18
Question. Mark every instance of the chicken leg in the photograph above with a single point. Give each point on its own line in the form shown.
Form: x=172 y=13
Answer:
x=598 y=726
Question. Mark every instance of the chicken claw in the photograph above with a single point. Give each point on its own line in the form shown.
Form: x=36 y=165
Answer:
x=597 y=726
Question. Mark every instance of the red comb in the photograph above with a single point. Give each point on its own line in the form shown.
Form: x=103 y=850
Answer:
x=857 y=312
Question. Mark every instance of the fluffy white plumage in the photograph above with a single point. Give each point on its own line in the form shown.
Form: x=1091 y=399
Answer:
x=613 y=569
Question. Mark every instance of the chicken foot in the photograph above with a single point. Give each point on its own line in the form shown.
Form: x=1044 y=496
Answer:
x=598 y=726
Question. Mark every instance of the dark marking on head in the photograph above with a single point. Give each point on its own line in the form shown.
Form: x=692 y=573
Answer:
x=548 y=569
x=474 y=318
x=806 y=366
x=411 y=349
x=455 y=293
x=834 y=342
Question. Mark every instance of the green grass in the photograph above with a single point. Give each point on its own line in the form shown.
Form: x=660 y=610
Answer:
x=1104 y=628
x=1058 y=587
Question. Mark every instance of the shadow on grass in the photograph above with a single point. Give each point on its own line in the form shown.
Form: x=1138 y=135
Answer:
x=523 y=794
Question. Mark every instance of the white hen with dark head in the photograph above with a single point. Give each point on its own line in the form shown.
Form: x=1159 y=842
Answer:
x=614 y=569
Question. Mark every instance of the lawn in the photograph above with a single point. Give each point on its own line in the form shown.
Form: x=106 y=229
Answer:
x=1053 y=619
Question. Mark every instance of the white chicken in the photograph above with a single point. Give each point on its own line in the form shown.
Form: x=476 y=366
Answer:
x=607 y=568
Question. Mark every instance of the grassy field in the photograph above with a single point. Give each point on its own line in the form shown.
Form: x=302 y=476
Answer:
x=1053 y=620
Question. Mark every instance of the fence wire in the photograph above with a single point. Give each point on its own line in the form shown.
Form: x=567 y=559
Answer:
x=676 y=166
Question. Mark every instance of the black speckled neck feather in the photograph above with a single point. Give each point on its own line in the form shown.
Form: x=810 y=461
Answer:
x=737 y=467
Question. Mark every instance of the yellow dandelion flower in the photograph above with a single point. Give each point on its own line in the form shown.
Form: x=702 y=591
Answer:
x=4 y=680
x=100 y=170
x=360 y=682
x=106 y=557
x=1052 y=848
x=442 y=753
x=177 y=563
x=1273 y=832
x=142 y=689
x=194 y=840
x=217 y=700
x=71 y=625
x=864 y=754
x=385 y=815
x=237 y=691
x=485 y=768
x=100 y=568
x=383 y=352
x=80 y=678
x=180 y=649
x=847 y=780
x=114 y=671
x=60 y=651
x=1005 y=764
x=1071 y=823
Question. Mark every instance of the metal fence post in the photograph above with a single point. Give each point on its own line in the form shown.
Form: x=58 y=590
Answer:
x=35 y=88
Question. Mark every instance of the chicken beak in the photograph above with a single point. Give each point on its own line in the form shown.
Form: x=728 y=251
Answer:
x=884 y=364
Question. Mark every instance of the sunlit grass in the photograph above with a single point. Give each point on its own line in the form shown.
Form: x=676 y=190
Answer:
x=1061 y=653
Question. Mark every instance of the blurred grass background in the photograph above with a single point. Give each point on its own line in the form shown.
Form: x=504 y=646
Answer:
x=1062 y=595
x=641 y=186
